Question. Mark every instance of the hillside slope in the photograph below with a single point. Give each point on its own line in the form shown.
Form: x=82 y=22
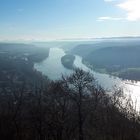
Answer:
x=119 y=58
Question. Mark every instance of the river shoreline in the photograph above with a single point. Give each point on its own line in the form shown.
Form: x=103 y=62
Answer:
x=53 y=68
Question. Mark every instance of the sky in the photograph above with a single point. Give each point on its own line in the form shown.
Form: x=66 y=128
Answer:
x=68 y=19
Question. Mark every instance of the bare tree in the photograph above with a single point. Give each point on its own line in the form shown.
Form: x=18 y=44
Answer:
x=79 y=82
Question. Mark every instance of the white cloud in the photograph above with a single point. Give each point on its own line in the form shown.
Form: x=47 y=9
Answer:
x=108 y=18
x=132 y=7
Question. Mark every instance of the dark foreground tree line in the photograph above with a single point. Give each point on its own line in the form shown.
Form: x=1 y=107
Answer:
x=73 y=108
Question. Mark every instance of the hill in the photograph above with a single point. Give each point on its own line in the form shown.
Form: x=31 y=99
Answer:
x=113 y=57
x=68 y=60
x=17 y=63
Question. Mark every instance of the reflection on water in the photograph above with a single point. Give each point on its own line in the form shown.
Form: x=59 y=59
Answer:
x=134 y=91
x=53 y=68
x=105 y=80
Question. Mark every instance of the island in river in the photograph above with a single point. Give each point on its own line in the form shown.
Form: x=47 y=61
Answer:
x=68 y=61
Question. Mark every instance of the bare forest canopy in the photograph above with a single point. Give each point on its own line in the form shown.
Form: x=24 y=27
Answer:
x=32 y=107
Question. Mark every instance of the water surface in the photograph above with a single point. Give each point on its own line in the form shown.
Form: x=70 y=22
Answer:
x=53 y=68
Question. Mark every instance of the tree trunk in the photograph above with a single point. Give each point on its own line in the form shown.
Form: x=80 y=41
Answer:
x=81 y=137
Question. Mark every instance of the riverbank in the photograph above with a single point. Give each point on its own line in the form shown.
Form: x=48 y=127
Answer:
x=53 y=68
x=132 y=74
x=17 y=64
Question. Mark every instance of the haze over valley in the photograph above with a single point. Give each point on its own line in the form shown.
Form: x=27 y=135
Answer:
x=69 y=70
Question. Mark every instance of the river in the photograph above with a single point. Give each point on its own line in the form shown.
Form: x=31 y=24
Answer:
x=53 y=68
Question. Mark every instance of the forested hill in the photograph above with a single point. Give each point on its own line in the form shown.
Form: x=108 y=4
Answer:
x=122 y=57
x=119 y=58
x=17 y=61
x=84 y=49
x=25 y=50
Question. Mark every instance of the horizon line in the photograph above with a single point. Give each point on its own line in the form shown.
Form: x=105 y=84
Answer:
x=68 y=39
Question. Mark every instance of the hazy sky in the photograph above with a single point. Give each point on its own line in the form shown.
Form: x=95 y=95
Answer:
x=58 y=19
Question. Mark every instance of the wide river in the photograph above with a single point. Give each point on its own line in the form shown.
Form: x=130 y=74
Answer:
x=53 y=68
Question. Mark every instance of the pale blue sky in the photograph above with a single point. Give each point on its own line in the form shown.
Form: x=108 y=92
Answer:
x=58 y=19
